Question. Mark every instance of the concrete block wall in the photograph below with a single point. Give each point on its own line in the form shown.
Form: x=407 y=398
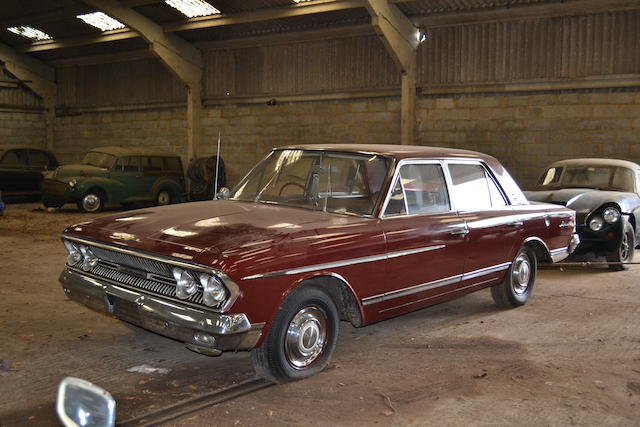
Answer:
x=22 y=128
x=524 y=131
x=164 y=129
x=528 y=131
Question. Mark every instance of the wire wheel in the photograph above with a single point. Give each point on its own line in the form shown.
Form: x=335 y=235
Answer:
x=306 y=337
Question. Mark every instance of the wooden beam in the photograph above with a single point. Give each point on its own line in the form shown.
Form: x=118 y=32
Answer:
x=399 y=37
x=529 y=11
x=182 y=58
x=104 y=37
x=39 y=77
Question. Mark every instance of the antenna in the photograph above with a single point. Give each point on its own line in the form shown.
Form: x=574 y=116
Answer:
x=215 y=184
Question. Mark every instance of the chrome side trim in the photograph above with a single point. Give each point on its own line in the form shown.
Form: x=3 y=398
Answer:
x=412 y=290
x=435 y=296
x=342 y=263
x=234 y=290
x=485 y=271
x=436 y=284
x=559 y=254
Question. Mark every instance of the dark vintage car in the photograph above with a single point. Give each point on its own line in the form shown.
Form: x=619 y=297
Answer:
x=605 y=193
x=116 y=175
x=311 y=236
x=21 y=170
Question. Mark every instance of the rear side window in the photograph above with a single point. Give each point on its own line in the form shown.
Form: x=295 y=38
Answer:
x=419 y=189
x=550 y=177
x=15 y=158
x=151 y=164
x=130 y=164
x=172 y=164
x=38 y=158
x=473 y=188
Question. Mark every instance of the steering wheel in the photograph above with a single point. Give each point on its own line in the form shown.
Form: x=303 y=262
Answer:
x=291 y=183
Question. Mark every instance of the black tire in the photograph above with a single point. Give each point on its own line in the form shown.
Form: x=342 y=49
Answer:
x=517 y=286
x=301 y=338
x=92 y=201
x=164 y=198
x=625 y=250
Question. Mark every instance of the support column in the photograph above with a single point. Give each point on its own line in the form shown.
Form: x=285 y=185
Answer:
x=399 y=38
x=194 y=109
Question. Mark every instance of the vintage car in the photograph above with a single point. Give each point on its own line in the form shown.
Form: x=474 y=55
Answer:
x=314 y=235
x=116 y=175
x=605 y=193
x=21 y=170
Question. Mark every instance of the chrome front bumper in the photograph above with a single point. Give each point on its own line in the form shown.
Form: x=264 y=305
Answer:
x=205 y=332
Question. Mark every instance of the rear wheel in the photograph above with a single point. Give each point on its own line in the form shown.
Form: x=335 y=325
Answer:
x=301 y=338
x=92 y=202
x=518 y=285
x=163 y=198
x=625 y=250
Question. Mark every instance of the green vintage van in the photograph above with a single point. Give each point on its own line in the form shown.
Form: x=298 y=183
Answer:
x=116 y=175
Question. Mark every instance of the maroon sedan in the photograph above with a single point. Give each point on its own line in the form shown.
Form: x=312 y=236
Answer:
x=311 y=236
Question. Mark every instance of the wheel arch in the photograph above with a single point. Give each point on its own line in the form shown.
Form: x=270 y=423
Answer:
x=539 y=248
x=340 y=292
x=96 y=188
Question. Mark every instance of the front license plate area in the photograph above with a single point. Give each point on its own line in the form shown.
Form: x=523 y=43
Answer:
x=123 y=309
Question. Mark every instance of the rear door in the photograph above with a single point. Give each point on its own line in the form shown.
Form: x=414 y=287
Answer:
x=425 y=239
x=16 y=176
x=494 y=230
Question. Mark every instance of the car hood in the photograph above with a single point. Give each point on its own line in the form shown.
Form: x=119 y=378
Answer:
x=78 y=169
x=221 y=227
x=582 y=200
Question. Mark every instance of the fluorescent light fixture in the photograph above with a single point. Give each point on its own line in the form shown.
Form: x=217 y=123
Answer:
x=29 y=32
x=193 y=8
x=101 y=20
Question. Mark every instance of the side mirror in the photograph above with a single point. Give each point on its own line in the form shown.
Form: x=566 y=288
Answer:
x=81 y=403
x=222 y=194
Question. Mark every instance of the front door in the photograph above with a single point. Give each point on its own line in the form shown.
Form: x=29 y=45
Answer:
x=425 y=240
x=127 y=179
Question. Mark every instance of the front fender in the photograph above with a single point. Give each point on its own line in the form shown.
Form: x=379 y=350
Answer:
x=105 y=184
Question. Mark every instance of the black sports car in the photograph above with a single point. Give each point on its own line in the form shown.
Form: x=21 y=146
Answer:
x=605 y=193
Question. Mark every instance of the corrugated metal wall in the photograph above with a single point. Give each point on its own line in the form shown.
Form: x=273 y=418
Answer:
x=300 y=68
x=520 y=51
x=118 y=83
x=18 y=96
x=559 y=48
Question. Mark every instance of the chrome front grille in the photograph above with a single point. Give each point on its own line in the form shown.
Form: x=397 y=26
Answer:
x=148 y=285
x=131 y=261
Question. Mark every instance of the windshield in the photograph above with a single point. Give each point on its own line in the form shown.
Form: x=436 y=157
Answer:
x=101 y=160
x=332 y=182
x=599 y=177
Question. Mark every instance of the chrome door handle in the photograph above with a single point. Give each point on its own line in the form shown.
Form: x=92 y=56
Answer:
x=459 y=232
x=516 y=224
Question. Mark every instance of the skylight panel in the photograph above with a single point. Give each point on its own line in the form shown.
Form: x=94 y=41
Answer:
x=101 y=20
x=193 y=8
x=29 y=32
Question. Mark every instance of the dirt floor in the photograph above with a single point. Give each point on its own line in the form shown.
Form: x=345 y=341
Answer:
x=571 y=356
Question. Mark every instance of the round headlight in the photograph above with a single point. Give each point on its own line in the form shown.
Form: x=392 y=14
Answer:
x=89 y=259
x=596 y=223
x=73 y=182
x=75 y=256
x=611 y=215
x=213 y=291
x=185 y=283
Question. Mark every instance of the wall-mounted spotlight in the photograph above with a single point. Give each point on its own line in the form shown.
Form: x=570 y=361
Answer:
x=421 y=35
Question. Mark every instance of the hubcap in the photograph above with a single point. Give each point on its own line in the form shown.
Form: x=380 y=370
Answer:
x=90 y=202
x=624 y=247
x=164 y=198
x=521 y=274
x=306 y=337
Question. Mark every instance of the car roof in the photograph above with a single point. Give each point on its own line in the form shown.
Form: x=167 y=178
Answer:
x=396 y=151
x=22 y=147
x=131 y=151
x=596 y=162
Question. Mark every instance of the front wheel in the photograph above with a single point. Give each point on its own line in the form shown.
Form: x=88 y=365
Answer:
x=301 y=338
x=92 y=202
x=625 y=250
x=516 y=288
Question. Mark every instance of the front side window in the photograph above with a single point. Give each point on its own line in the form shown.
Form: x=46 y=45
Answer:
x=38 y=158
x=473 y=188
x=419 y=189
x=98 y=159
x=334 y=182
x=550 y=177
